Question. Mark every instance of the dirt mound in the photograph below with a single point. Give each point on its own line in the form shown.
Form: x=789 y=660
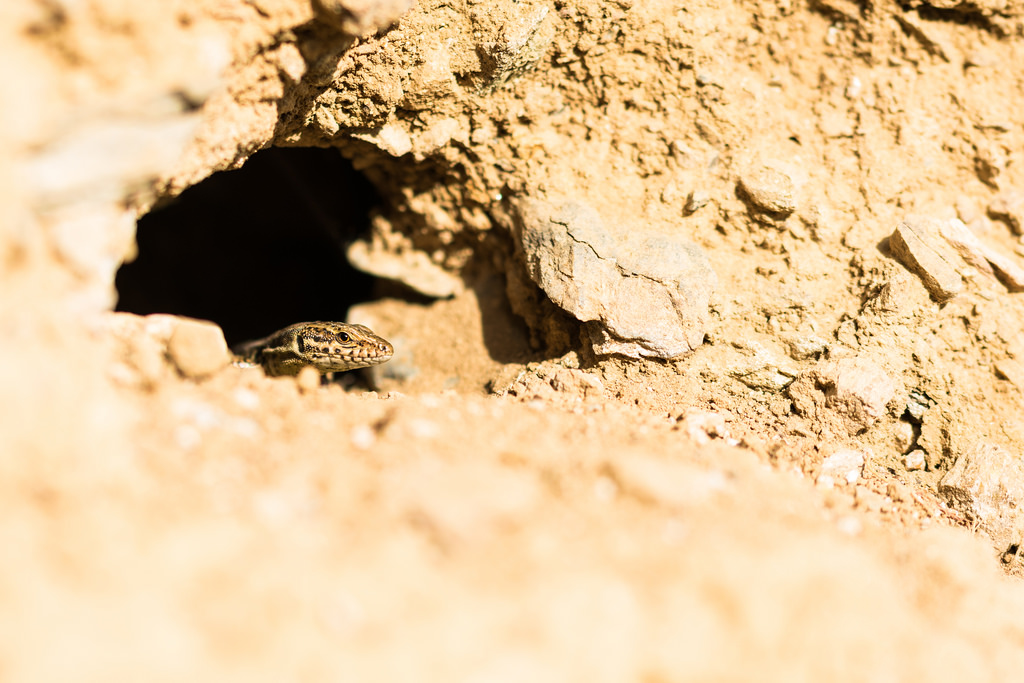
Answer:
x=707 y=324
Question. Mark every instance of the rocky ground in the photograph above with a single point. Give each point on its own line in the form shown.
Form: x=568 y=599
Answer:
x=708 y=326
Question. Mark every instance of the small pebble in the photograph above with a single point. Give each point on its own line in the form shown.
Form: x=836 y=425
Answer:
x=197 y=348
x=704 y=426
x=769 y=190
x=904 y=436
x=845 y=464
x=696 y=200
x=918 y=403
x=914 y=460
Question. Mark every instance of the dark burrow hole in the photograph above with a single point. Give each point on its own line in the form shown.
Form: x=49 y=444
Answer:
x=257 y=248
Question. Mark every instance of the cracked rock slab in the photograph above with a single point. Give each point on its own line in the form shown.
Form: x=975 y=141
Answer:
x=982 y=257
x=918 y=246
x=986 y=483
x=640 y=293
x=769 y=190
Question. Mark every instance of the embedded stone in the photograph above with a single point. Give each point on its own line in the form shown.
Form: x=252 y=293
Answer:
x=850 y=391
x=986 y=484
x=769 y=190
x=985 y=259
x=916 y=245
x=639 y=292
x=197 y=348
x=1009 y=208
x=845 y=464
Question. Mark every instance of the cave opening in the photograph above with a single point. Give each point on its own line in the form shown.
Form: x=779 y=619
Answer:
x=257 y=248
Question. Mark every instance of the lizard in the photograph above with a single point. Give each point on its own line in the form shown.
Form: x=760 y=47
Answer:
x=325 y=346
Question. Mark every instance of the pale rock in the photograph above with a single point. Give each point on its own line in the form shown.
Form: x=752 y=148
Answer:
x=696 y=200
x=1008 y=272
x=917 y=406
x=430 y=81
x=361 y=17
x=769 y=190
x=984 y=258
x=759 y=368
x=966 y=210
x=518 y=45
x=844 y=465
x=986 y=484
x=914 y=460
x=806 y=346
x=391 y=138
x=970 y=248
x=578 y=382
x=1009 y=208
x=435 y=136
x=639 y=293
x=904 y=436
x=702 y=426
x=197 y=348
x=917 y=245
x=853 y=391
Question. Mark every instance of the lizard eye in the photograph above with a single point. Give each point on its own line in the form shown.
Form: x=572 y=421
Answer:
x=343 y=336
x=300 y=343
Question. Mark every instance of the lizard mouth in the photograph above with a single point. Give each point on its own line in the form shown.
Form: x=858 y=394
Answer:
x=351 y=359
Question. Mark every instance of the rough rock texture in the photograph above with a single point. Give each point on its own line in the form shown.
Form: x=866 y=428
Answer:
x=361 y=17
x=197 y=348
x=981 y=256
x=854 y=390
x=768 y=190
x=643 y=294
x=986 y=483
x=918 y=246
x=844 y=465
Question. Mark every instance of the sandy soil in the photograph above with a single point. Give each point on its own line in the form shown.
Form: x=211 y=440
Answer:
x=498 y=503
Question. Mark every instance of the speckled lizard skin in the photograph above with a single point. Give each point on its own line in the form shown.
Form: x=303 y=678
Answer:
x=326 y=346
